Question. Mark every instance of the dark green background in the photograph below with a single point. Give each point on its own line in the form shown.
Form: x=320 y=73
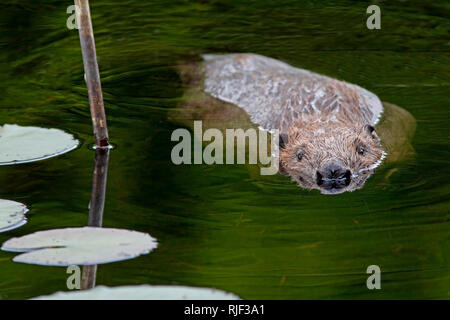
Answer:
x=218 y=226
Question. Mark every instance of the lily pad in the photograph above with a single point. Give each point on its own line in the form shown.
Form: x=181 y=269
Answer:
x=143 y=292
x=80 y=246
x=27 y=144
x=12 y=215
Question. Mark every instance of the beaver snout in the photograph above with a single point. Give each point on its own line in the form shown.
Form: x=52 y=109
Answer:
x=333 y=177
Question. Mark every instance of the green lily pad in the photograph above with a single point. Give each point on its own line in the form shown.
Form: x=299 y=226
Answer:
x=143 y=292
x=12 y=215
x=80 y=246
x=27 y=144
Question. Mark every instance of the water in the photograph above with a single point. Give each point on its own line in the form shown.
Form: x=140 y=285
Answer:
x=224 y=226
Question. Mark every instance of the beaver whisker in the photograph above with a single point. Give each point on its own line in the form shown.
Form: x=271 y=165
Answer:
x=376 y=164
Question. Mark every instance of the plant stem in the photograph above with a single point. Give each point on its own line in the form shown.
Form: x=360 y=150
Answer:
x=97 y=203
x=96 y=207
x=92 y=73
x=89 y=277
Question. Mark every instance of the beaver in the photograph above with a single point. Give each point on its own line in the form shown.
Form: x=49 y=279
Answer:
x=327 y=140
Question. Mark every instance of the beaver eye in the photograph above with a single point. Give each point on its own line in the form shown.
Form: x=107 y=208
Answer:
x=369 y=128
x=299 y=155
x=360 y=150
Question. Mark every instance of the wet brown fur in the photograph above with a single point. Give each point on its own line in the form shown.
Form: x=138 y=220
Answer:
x=319 y=139
x=321 y=143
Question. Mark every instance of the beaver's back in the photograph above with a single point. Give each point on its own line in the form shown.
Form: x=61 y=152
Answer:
x=275 y=94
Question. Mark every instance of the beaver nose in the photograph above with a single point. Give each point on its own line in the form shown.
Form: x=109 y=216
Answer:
x=334 y=171
x=333 y=176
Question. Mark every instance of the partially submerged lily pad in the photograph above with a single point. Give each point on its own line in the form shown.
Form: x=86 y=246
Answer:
x=143 y=292
x=12 y=215
x=27 y=144
x=80 y=246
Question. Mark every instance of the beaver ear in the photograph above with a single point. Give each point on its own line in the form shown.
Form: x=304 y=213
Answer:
x=371 y=131
x=283 y=140
x=369 y=128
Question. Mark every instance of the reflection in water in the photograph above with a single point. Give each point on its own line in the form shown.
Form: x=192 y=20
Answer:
x=89 y=276
x=96 y=207
x=97 y=203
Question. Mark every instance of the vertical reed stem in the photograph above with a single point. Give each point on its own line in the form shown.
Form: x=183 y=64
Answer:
x=89 y=277
x=100 y=128
x=92 y=73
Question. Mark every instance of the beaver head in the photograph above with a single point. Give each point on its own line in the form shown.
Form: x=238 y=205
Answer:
x=332 y=157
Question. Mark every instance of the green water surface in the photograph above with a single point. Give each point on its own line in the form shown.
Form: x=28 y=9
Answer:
x=218 y=226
